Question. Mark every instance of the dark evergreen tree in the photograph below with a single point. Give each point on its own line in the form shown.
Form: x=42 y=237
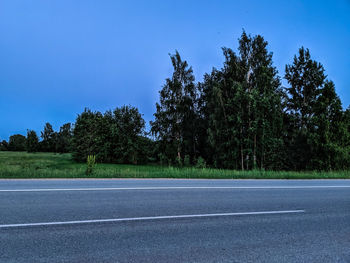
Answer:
x=32 y=142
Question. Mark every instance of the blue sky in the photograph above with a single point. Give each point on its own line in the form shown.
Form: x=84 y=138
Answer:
x=58 y=57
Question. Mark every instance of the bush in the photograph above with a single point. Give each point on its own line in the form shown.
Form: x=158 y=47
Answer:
x=91 y=162
x=187 y=161
x=178 y=161
x=201 y=163
x=162 y=159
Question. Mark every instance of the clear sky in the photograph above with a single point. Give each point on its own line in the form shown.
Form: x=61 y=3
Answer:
x=58 y=57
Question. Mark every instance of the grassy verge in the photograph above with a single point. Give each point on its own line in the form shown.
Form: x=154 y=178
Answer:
x=49 y=165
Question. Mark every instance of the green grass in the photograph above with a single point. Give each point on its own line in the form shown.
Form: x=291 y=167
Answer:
x=49 y=165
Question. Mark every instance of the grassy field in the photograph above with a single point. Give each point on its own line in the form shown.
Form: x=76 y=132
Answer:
x=49 y=165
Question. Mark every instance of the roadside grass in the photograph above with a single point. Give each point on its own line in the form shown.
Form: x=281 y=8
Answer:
x=50 y=165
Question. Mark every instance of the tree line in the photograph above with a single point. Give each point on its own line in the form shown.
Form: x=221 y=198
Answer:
x=239 y=117
x=51 y=141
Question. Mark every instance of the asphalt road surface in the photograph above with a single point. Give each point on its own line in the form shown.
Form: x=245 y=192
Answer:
x=174 y=221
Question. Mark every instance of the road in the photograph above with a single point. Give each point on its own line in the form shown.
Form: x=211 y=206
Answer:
x=174 y=220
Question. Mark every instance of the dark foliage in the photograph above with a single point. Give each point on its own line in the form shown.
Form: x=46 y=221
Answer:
x=115 y=137
x=17 y=142
x=239 y=117
x=32 y=141
x=64 y=139
x=317 y=135
x=49 y=139
x=4 y=146
x=242 y=118
x=241 y=107
x=176 y=114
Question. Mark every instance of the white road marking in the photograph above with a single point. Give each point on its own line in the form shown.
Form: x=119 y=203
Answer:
x=148 y=218
x=174 y=188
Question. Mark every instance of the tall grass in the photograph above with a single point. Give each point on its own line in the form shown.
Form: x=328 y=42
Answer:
x=49 y=165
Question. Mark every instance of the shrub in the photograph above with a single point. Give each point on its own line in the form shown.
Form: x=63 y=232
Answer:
x=162 y=159
x=201 y=163
x=178 y=161
x=91 y=162
x=187 y=161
